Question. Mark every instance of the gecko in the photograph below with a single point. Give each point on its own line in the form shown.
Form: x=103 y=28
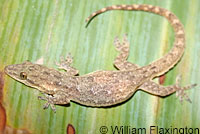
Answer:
x=106 y=88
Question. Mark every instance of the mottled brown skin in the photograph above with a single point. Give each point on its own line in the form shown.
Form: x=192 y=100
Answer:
x=105 y=88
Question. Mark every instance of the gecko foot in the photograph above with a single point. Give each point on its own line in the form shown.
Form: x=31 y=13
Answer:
x=180 y=90
x=65 y=62
x=48 y=98
x=65 y=65
x=120 y=46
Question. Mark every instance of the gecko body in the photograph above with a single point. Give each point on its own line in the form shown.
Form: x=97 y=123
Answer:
x=105 y=88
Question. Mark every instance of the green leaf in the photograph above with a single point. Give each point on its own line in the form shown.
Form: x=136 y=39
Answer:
x=47 y=29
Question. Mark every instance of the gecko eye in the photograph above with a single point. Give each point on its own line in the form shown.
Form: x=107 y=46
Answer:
x=23 y=75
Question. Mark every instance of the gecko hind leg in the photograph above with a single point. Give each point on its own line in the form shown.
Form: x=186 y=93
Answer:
x=149 y=86
x=65 y=64
x=159 y=90
x=120 y=61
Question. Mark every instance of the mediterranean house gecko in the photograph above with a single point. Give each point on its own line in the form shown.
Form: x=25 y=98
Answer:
x=105 y=88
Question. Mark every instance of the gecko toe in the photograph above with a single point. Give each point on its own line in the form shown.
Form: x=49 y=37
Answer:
x=53 y=107
x=46 y=105
x=41 y=98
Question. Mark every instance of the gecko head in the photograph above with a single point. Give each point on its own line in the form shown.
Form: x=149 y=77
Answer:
x=26 y=73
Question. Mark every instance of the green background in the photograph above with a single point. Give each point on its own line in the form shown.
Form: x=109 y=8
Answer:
x=47 y=29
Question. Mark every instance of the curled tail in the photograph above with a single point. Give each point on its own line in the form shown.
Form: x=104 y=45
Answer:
x=163 y=64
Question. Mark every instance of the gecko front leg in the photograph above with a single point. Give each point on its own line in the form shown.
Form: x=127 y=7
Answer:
x=58 y=98
x=65 y=64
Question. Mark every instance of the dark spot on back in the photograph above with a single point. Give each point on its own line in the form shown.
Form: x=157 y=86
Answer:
x=56 y=83
x=164 y=61
x=46 y=73
x=42 y=78
x=152 y=68
x=65 y=87
x=90 y=79
x=57 y=76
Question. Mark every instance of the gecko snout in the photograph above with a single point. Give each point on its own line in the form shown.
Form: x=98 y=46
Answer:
x=11 y=70
x=7 y=68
